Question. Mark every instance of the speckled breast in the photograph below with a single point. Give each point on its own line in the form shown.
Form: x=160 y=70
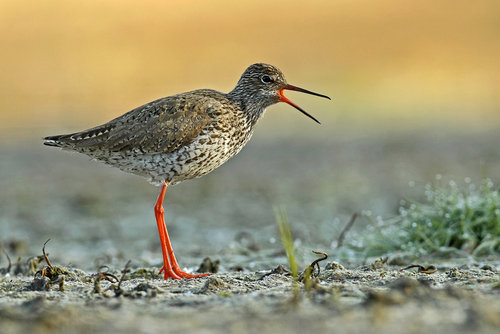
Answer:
x=215 y=144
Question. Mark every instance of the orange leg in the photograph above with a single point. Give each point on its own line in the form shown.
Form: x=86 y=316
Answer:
x=170 y=265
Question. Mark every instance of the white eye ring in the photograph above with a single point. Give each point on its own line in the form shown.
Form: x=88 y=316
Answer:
x=266 y=79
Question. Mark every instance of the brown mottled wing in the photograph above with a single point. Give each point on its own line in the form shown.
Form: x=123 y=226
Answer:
x=163 y=125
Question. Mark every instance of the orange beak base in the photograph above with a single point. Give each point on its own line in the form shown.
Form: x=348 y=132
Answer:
x=283 y=98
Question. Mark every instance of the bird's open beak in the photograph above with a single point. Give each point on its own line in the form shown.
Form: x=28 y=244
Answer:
x=286 y=100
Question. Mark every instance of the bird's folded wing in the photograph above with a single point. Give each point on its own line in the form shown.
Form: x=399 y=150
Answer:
x=161 y=126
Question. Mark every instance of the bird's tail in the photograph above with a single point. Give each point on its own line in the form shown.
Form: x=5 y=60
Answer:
x=57 y=141
x=83 y=139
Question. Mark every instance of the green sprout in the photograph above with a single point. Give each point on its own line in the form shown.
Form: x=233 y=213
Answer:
x=288 y=245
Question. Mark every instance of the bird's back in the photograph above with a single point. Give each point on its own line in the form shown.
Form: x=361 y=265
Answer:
x=173 y=138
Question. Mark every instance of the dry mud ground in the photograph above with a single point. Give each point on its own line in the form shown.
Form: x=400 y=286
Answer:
x=365 y=299
x=96 y=216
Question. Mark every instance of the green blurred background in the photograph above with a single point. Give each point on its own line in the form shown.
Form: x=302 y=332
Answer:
x=67 y=65
x=415 y=88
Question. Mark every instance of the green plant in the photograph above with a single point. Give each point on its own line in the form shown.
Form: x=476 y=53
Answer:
x=451 y=218
x=288 y=245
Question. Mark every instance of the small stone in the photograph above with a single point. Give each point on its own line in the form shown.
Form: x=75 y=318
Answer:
x=212 y=284
x=208 y=266
x=454 y=273
x=334 y=266
x=489 y=268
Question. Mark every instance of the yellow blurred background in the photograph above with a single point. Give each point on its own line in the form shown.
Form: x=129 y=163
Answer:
x=68 y=65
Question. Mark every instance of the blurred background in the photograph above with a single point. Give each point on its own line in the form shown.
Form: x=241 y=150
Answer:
x=388 y=63
x=415 y=89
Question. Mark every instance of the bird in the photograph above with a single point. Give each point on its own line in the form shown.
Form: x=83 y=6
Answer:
x=183 y=136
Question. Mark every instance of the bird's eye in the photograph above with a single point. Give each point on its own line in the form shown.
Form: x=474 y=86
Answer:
x=266 y=79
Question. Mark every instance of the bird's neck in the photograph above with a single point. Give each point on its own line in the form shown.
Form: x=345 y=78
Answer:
x=252 y=109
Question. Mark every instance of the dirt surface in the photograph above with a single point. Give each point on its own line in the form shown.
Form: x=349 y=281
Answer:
x=370 y=298
x=98 y=219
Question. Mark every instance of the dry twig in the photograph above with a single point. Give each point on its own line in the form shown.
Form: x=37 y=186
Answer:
x=8 y=259
x=421 y=269
x=340 y=240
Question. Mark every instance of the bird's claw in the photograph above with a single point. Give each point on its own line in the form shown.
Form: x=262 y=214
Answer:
x=177 y=273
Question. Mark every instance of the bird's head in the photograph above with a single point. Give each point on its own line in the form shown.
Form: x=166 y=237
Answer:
x=262 y=85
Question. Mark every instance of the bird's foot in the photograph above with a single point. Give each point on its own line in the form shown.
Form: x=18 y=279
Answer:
x=177 y=273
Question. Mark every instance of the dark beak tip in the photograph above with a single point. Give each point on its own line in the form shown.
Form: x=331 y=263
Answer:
x=302 y=90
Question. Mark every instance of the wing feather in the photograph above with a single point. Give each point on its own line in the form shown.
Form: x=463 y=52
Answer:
x=161 y=126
